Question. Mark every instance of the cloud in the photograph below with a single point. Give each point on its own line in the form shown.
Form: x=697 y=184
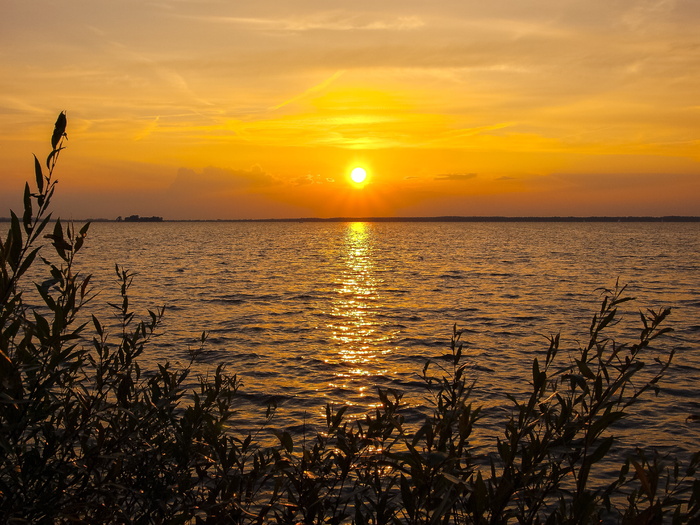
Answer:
x=325 y=21
x=312 y=179
x=601 y=182
x=456 y=176
x=312 y=90
x=149 y=128
x=304 y=180
x=217 y=180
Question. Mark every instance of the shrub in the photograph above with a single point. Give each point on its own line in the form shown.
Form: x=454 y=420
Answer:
x=87 y=436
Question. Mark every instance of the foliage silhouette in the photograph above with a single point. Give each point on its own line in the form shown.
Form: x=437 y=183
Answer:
x=87 y=436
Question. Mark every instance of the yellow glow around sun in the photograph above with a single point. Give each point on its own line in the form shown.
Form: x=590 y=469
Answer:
x=358 y=175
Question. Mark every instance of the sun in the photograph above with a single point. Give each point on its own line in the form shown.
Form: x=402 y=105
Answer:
x=358 y=175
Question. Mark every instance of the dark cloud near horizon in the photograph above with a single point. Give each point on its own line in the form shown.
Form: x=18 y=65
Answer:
x=610 y=181
x=213 y=180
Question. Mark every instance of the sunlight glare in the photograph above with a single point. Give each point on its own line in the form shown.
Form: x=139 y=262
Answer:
x=358 y=175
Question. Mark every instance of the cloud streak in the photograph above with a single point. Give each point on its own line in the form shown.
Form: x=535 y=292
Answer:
x=323 y=21
x=456 y=176
x=311 y=91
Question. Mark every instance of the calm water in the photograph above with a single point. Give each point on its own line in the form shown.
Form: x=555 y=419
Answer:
x=312 y=313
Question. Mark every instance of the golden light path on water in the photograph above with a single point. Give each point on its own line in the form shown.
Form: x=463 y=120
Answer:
x=355 y=330
x=308 y=314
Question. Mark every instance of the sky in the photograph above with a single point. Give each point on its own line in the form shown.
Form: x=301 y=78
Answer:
x=214 y=109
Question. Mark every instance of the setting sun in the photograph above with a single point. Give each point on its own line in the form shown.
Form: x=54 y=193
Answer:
x=358 y=175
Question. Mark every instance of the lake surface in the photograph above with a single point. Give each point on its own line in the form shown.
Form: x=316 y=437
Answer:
x=312 y=313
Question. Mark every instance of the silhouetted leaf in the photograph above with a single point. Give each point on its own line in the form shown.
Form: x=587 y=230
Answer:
x=28 y=260
x=42 y=325
x=601 y=450
x=16 y=246
x=51 y=156
x=621 y=300
x=285 y=439
x=27 y=216
x=59 y=130
x=80 y=237
x=643 y=479
x=43 y=290
x=98 y=326
x=39 y=175
x=42 y=225
x=585 y=370
x=406 y=495
x=58 y=241
x=84 y=286
x=607 y=319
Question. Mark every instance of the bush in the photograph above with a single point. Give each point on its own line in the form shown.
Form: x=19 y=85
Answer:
x=87 y=436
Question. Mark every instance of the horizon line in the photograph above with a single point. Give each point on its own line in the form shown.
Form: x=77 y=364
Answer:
x=440 y=218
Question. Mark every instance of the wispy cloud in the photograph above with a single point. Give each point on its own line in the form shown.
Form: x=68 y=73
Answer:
x=149 y=128
x=324 y=21
x=212 y=181
x=456 y=176
x=311 y=91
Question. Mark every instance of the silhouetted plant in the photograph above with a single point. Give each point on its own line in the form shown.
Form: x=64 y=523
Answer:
x=87 y=436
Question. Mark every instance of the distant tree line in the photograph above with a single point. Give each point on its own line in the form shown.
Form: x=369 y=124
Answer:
x=138 y=218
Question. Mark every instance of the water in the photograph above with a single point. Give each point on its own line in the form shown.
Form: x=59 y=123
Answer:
x=312 y=313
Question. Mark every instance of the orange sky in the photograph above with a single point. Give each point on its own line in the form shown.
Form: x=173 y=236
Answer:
x=204 y=109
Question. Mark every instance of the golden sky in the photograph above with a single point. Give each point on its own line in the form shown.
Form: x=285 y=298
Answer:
x=203 y=109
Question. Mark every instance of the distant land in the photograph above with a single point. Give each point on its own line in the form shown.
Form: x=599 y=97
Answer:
x=138 y=218
x=447 y=218
x=457 y=218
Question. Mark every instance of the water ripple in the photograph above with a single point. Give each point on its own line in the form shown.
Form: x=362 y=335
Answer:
x=311 y=313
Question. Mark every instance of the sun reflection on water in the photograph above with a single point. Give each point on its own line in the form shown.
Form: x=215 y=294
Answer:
x=356 y=332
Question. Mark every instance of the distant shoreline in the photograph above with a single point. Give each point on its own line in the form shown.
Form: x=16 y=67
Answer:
x=448 y=218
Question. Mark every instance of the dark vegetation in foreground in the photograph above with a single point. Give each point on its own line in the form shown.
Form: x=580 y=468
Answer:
x=87 y=436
